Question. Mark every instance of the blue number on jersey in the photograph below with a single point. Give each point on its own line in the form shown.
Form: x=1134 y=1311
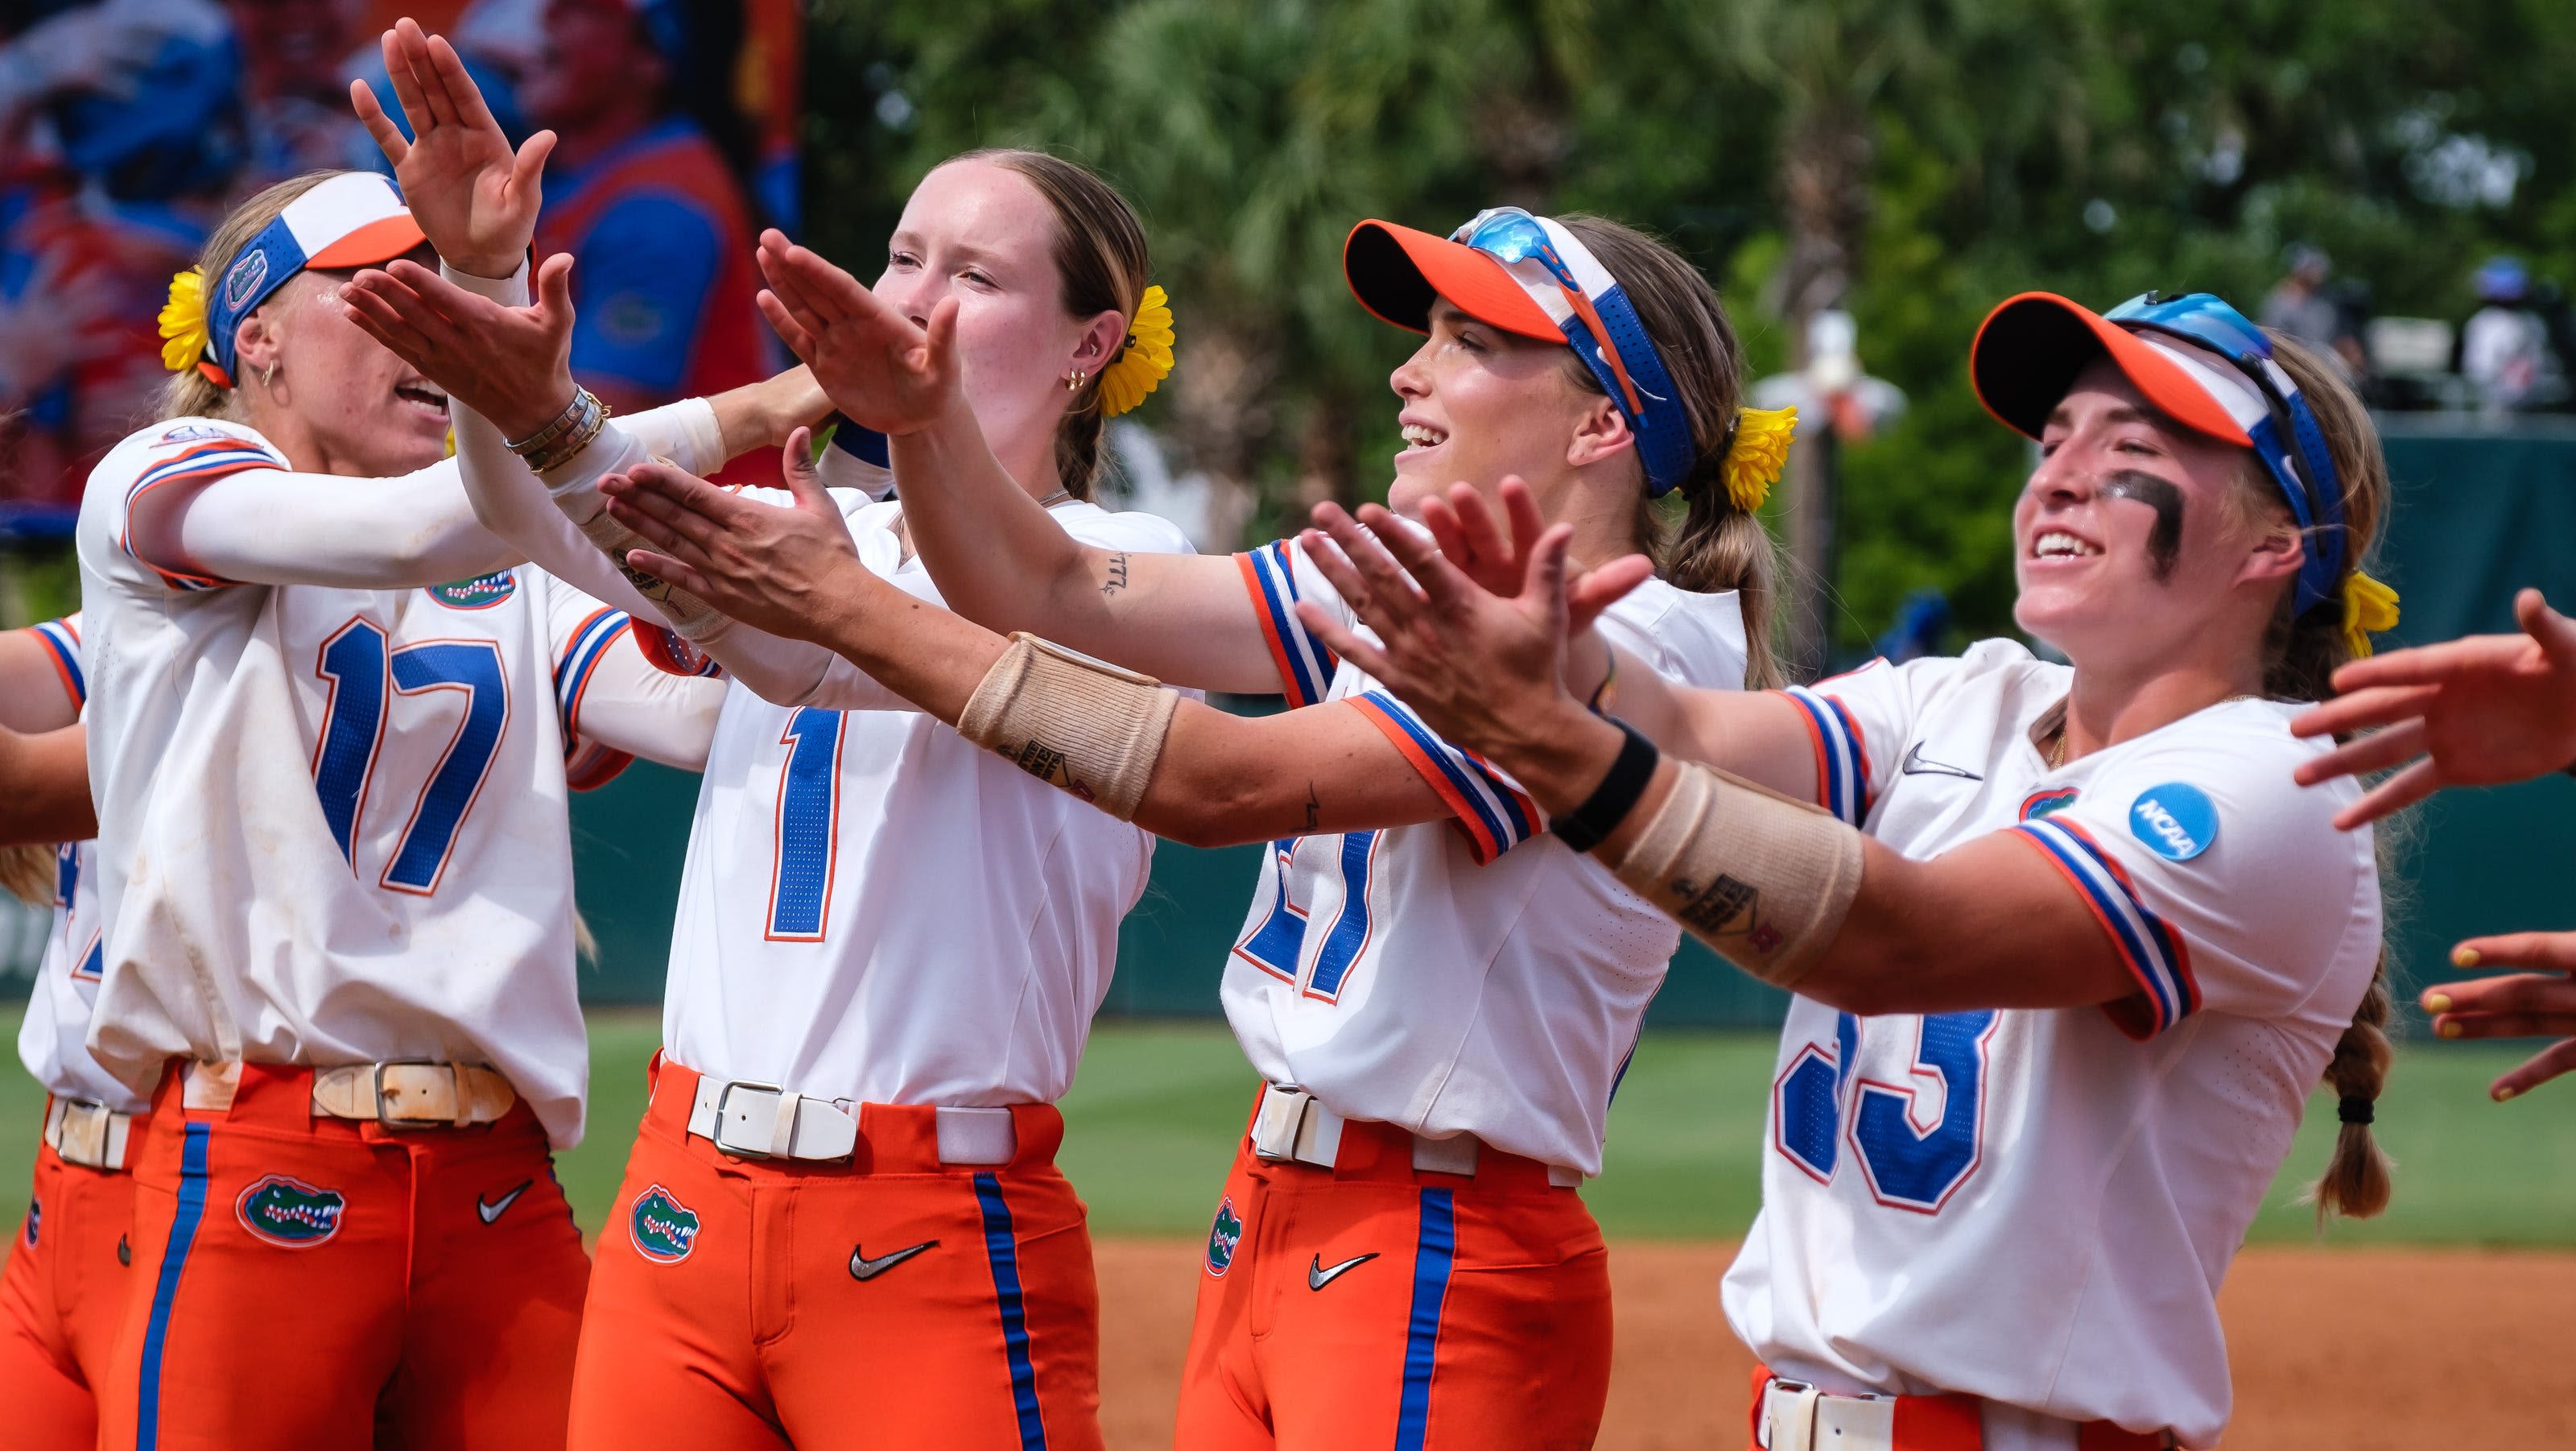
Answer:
x=1910 y=1168
x=809 y=808
x=1279 y=943
x=353 y=731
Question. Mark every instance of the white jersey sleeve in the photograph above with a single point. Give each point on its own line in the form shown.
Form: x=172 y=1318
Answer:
x=617 y=704
x=1491 y=810
x=1858 y=723
x=2186 y=850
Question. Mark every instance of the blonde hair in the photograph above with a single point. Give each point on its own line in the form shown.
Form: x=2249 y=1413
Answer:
x=28 y=873
x=191 y=394
x=1715 y=545
x=2300 y=655
x=1100 y=257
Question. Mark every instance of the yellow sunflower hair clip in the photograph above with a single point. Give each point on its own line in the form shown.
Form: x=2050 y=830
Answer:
x=1758 y=454
x=2369 y=608
x=1145 y=360
x=183 y=322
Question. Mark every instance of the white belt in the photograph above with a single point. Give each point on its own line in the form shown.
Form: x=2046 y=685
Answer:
x=759 y=1121
x=1292 y=1124
x=91 y=1135
x=1799 y=1417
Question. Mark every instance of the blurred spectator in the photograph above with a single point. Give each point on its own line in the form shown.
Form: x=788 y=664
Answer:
x=645 y=190
x=295 y=99
x=2505 y=351
x=1921 y=622
x=2300 y=305
x=124 y=133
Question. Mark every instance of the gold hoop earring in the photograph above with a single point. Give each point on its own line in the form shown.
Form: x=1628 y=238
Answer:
x=1074 y=380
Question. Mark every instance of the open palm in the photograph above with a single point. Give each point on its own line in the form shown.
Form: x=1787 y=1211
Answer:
x=879 y=367
x=474 y=198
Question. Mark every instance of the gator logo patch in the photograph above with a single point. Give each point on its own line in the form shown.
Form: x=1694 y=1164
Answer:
x=289 y=1212
x=664 y=1229
x=244 y=279
x=1223 y=1237
x=479 y=593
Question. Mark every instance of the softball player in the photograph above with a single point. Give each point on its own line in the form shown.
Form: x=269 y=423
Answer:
x=849 y=1155
x=330 y=733
x=63 y=1291
x=1438 y=1004
x=2069 y=946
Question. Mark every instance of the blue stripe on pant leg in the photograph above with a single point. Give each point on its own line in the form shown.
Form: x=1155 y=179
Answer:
x=174 y=1258
x=1003 y=1250
x=1432 y=1256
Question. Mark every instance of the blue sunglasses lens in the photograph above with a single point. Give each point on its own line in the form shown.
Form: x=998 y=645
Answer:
x=1509 y=238
x=2199 y=315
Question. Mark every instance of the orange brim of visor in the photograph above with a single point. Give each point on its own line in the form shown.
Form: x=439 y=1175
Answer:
x=2030 y=350
x=1395 y=272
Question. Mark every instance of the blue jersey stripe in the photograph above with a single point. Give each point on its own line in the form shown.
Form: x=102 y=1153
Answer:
x=67 y=655
x=1446 y=757
x=584 y=657
x=1003 y=1250
x=1837 y=750
x=1433 y=1253
x=174 y=1259
x=2153 y=972
x=1278 y=593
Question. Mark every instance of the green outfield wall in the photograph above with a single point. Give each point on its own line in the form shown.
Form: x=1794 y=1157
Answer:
x=2478 y=515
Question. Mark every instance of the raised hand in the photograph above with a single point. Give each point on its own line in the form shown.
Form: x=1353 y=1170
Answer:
x=474 y=199
x=877 y=365
x=1482 y=669
x=2478 y=711
x=2539 y=1004
x=510 y=364
x=790 y=571
x=1497 y=555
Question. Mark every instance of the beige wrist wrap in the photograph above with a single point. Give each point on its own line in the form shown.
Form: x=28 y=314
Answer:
x=1762 y=879
x=1093 y=729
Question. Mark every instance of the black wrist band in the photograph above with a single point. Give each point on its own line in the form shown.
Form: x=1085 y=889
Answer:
x=1583 y=828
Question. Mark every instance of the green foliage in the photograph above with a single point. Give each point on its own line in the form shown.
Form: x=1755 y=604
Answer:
x=2092 y=147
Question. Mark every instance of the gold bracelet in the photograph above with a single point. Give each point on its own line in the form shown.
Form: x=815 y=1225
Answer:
x=555 y=427
x=563 y=450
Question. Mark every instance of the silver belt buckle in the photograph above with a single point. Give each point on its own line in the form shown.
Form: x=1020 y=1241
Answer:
x=724 y=1119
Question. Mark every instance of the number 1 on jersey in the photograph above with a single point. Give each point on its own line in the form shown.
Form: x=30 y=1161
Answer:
x=808 y=830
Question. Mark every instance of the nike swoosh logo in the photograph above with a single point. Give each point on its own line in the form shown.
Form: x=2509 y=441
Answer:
x=1915 y=765
x=862 y=1268
x=1317 y=1277
x=497 y=1208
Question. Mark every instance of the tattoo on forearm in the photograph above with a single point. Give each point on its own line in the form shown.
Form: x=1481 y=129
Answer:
x=1117 y=579
x=1314 y=807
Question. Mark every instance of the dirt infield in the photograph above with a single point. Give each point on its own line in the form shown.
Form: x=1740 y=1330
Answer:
x=2357 y=1350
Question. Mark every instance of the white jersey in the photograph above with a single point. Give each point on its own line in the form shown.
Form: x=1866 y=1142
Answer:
x=875 y=910
x=1463 y=976
x=331 y=821
x=2036 y=1206
x=52 y=1037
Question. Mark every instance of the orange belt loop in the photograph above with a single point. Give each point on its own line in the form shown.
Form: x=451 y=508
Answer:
x=1761 y=1384
x=1939 y=1423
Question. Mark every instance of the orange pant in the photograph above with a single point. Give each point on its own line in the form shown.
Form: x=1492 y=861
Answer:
x=60 y=1300
x=1376 y=1305
x=311 y=1282
x=887 y=1302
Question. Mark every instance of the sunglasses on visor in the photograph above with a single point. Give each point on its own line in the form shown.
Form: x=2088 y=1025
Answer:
x=1508 y=235
x=2291 y=443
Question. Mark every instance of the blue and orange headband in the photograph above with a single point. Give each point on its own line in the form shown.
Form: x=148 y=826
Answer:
x=355 y=219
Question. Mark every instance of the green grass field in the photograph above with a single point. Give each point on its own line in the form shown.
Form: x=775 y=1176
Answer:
x=1152 y=1120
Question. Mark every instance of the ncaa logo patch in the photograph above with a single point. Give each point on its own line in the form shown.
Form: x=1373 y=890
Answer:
x=290 y=1213
x=1223 y=1236
x=2177 y=821
x=664 y=1229
x=481 y=592
x=244 y=279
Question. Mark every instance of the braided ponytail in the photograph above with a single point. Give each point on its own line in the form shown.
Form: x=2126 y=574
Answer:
x=2300 y=658
x=1714 y=545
